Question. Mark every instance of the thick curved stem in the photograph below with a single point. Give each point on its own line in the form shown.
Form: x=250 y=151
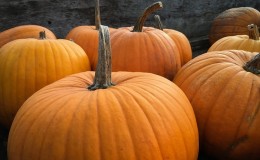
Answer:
x=158 y=21
x=140 y=23
x=253 y=32
x=97 y=15
x=42 y=35
x=253 y=65
x=102 y=77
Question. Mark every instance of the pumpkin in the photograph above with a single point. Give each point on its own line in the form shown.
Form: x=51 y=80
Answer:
x=232 y=22
x=144 y=49
x=24 y=31
x=223 y=88
x=87 y=37
x=248 y=42
x=26 y=65
x=104 y=115
x=180 y=40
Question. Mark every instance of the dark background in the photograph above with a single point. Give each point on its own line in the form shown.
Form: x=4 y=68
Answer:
x=191 y=17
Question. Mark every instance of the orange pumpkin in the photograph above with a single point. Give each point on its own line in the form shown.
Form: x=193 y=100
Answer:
x=26 y=65
x=141 y=116
x=223 y=88
x=180 y=40
x=248 y=42
x=87 y=37
x=24 y=31
x=144 y=49
x=232 y=22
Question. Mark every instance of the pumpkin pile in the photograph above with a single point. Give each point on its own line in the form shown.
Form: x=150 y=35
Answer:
x=132 y=92
x=223 y=87
x=106 y=115
x=134 y=112
x=135 y=48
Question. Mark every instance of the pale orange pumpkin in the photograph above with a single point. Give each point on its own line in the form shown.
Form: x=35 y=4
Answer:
x=223 y=88
x=180 y=40
x=24 y=31
x=248 y=42
x=233 y=21
x=87 y=117
x=26 y=65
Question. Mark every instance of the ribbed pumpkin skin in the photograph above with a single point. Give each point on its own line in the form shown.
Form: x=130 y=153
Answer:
x=182 y=44
x=226 y=101
x=151 y=51
x=87 y=38
x=232 y=22
x=239 y=42
x=24 y=31
x=26 y=65
x=144 y=116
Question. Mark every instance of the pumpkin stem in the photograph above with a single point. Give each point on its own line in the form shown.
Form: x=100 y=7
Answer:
x=42 y=35
x=97 y=15
x=253 y=32
x=159 y=24
x=102 y=77
x=152 y=8
x=253 y=65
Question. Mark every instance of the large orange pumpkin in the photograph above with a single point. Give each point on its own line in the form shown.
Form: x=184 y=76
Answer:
x=24 y=31
x=224 y=90
x=232 y=22
x=87 y=37
x=180 y=40
x=142 y=116
x=144 y=49
x=26 y=65
x=248 y=42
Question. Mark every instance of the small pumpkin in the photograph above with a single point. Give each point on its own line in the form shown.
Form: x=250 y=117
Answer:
x=26 y=65
x=24 y=31
x=233 y=21
x=248 y=42
x=145 y=49
x=223 y=88
x=180 y=40
x=86 y=117
x=87 y=37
